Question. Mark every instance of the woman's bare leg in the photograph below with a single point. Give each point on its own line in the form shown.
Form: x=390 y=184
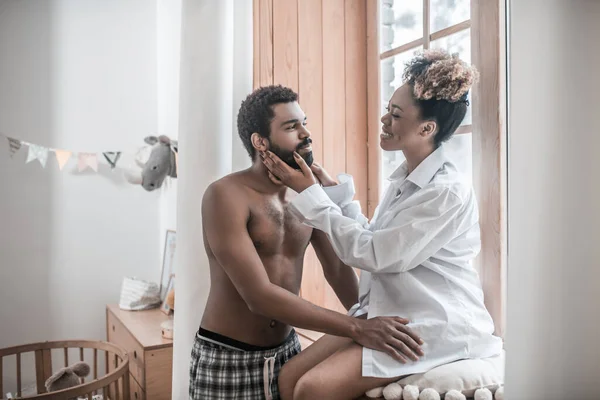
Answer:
x=339 y=377
x=293 y=370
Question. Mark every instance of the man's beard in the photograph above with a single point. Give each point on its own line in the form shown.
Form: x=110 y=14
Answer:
x=288 y=156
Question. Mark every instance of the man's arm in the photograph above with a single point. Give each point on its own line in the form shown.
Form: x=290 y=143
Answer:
x=224 y=218
x=340 y=277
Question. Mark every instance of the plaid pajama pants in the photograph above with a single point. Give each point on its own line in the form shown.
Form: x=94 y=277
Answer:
x=219 y=372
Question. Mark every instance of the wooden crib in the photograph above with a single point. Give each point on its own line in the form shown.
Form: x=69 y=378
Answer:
x=112 y=385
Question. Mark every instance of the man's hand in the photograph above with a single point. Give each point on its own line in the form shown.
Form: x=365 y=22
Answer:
x=294 y=179
x=322 y=175
x=390 y=335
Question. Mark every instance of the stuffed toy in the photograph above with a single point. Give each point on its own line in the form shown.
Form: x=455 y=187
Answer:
x=67 y=377
x=161 y=162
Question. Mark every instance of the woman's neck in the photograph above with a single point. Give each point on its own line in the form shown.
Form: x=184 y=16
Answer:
x=416 y=156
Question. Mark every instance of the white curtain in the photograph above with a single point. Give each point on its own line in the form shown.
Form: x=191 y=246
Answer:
x=553 y=323
x=216 y=74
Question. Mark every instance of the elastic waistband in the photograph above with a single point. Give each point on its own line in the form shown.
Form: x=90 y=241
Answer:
x=226 y=341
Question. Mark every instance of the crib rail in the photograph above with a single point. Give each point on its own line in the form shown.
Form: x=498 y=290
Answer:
x=115 y=380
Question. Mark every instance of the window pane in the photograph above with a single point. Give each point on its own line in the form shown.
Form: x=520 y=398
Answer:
x=459 y=150
x=402 y=22
x=458 y=43
x=391 y=74
x=445 y=13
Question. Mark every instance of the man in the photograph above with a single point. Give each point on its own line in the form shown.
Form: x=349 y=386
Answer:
x=255 y=248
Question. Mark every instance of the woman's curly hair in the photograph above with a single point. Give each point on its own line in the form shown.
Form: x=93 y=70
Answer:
x=441 y=82
x=436 y=74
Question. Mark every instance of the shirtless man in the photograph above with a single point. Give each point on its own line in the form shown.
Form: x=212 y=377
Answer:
x=256 y=247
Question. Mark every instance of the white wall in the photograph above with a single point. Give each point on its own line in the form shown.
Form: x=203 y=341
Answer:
x=553 y=323
x=168 y=18
x=80 y=75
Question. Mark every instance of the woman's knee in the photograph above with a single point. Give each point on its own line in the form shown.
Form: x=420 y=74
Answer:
x=309 y=387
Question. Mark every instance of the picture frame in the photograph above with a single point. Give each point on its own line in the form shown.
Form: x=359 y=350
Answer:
x=168 y=265
x=164 y=307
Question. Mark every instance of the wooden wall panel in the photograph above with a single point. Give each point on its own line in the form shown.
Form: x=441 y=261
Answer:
x=334 y=86
x=373 y=105
x=285 y=43
x=265 y=41
x=310 y=67
x=318 y=48
x=256 y=44
x=334 y=99
x=356 y=96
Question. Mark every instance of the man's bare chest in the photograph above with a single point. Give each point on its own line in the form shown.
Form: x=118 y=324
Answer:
x=275 y=230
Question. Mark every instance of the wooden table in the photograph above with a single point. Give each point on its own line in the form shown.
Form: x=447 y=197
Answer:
x=150 y=355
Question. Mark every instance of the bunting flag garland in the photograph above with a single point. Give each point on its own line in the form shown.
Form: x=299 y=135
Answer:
x=62 y=156
x=86 y=160
x=37 y=153
x=41 y=153
x=112 y=158
x=13 y=146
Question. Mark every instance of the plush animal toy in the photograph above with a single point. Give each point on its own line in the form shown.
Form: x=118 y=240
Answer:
x=161 y=163
x=67 y=377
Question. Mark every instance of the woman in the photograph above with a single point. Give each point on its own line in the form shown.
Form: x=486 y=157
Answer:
x=417 y=252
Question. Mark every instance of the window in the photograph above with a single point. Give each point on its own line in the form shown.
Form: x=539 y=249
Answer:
x=476 y=30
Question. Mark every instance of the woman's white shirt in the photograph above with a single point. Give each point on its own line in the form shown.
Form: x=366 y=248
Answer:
x=416 y=257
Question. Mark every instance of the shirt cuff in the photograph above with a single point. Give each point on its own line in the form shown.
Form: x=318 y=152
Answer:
x=310 y=199
x=342 y=193
x=356 y=310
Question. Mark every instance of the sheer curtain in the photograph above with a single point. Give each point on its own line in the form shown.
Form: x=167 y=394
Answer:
x=553 y=197
x=216 y=74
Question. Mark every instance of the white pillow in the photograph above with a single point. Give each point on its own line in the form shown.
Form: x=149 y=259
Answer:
x=466 y=376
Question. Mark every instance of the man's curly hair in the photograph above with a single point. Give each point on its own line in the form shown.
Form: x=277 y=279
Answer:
x=441 y=84
x=256 y=112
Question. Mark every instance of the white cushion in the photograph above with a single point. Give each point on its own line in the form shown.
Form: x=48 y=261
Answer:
x=465 y=376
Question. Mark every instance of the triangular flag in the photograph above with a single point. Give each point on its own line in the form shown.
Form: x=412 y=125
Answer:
x=62 y=156
x=37 y=153
x=112 y=158
x=87 y=160
x=13 y=146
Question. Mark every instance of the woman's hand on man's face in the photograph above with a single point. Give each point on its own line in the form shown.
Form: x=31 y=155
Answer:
x=281 y=173
x=322 y=175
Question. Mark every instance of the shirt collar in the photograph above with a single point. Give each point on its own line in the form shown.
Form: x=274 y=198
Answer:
x=424 y=172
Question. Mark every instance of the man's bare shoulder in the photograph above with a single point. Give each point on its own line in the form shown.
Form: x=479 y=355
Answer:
x=230 y=190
